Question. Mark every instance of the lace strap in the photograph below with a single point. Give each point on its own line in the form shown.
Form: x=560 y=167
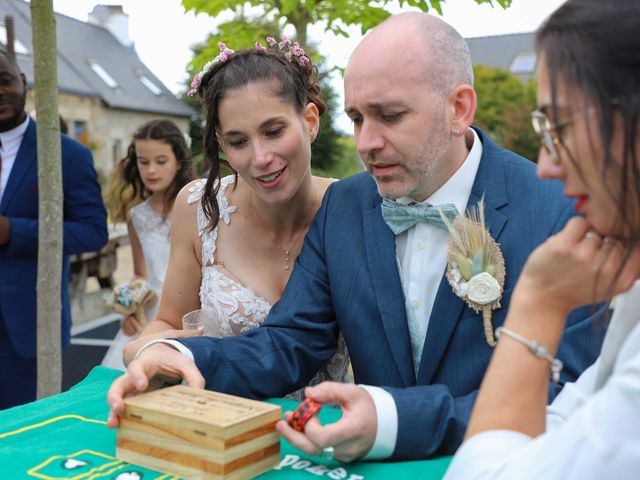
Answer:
x=196 y=190
x=209 y=238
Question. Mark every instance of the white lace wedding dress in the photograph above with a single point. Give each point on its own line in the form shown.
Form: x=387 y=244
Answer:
x=153 y=232
x=242 y=309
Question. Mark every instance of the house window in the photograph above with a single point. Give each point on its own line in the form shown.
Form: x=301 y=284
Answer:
x=79 y=129
x=153 y=88
x=19 y=47
x=103 y=74
x=523 y=63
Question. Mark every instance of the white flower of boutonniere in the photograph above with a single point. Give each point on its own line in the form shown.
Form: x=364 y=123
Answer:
x=475 y=267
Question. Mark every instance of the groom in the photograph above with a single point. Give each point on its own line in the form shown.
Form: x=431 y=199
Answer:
x=418 y=352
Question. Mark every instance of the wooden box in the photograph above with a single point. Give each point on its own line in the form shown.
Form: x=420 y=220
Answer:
x=199 y=434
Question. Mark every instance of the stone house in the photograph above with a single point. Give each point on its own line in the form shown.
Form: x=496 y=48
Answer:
x=105 y=91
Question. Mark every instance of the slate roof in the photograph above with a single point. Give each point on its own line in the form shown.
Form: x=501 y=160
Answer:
x=80 y=42
x=501 y=50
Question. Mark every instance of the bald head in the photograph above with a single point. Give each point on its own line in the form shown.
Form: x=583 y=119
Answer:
x=418 y=44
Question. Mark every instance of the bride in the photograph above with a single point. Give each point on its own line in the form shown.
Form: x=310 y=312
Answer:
x=235 y=238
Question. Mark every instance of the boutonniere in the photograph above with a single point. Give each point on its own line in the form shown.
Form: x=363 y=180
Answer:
x=475 y=265
x=132 y=298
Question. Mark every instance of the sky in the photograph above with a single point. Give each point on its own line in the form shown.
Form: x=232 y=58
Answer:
x=163 y=33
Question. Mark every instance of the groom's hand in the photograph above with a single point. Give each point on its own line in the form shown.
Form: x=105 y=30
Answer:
x=159 y=362
x=351 y=437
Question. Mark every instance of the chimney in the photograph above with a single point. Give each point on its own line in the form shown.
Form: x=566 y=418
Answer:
x=113 y=18
x=11 y=37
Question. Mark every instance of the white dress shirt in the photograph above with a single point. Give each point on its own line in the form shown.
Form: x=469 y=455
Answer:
x=422 y=257
x=592 y=433
x=11 y=141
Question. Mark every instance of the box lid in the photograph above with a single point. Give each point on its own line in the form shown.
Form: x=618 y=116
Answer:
x=210 y=413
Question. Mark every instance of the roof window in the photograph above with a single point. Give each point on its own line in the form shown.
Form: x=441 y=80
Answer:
x=102 y=73
x=153 y=88
x=523 y=63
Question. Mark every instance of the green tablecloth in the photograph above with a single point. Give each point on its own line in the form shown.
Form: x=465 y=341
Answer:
x=65 y=437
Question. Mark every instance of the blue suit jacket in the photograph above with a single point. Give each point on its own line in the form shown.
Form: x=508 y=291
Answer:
x=346 y=279
x=85 y=229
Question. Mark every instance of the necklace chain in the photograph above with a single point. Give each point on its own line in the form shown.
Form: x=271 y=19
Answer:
x=272 y=236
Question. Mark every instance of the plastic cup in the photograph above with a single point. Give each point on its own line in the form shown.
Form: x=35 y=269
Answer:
x=209 y=319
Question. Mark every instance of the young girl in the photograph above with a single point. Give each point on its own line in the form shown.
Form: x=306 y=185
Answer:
x=157 y=166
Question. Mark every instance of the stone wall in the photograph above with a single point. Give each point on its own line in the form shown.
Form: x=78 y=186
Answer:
x=108 y=131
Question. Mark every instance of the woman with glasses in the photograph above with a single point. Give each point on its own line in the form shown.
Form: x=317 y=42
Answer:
x=588 y=122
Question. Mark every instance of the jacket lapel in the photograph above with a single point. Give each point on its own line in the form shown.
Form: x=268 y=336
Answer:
x=379 y=240
x=448 y=307
x=25 y=160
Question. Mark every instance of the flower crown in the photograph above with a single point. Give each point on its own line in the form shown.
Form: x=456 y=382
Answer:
x=293 y=53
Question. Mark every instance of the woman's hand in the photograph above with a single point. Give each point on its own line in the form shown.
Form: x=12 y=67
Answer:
x=132 y=347
x=130 y=325
x=576 y=267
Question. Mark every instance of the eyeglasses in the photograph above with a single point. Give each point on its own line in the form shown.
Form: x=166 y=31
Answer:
x=544 y=128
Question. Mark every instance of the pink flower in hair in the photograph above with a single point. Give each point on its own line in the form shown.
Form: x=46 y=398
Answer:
x=297 y=50
x=303 y=60
x=271 y=41
x=260 y=47
x=288 y=56
x=197 y=79
x=284 y=42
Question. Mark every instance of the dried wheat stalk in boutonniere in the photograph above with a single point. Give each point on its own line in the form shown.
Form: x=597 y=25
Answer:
x=475 y=267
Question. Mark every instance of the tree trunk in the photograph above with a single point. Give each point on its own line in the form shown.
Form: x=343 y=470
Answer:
x=50 y=198
x=300 y=22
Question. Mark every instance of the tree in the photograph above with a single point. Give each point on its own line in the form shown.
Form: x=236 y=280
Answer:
x=50 y=198
x=337 y=14
x=504 y=107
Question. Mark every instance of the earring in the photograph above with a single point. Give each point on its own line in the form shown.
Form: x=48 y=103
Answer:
x=455 y=131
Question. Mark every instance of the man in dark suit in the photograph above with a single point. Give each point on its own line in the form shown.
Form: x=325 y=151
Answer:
x=85 y=229
x=417 y=350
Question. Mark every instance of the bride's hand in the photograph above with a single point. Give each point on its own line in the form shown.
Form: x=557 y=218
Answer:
x=576 y=267
x=132 y=347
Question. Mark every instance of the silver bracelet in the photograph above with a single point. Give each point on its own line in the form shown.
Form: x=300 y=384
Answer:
x=535 y=348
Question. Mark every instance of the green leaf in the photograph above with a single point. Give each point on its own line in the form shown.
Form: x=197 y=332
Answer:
x=478 y=258
x=435 y=4
x=464 y=265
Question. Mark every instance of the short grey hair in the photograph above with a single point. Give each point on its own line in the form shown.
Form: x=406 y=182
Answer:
x=449 y=61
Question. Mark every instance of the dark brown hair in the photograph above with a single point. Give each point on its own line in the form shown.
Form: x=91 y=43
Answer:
x=593 y=46
x=297 y=85
x=126 y=183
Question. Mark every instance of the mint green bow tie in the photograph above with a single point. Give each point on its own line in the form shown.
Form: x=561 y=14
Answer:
x=401 y=217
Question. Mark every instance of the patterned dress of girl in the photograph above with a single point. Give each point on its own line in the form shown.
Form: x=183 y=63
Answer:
x=153 y=231
x=242 y=310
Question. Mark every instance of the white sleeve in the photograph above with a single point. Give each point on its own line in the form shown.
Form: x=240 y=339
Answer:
x=387 y=416
x=174 y=343
x=601 y=439
x=571 y=398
